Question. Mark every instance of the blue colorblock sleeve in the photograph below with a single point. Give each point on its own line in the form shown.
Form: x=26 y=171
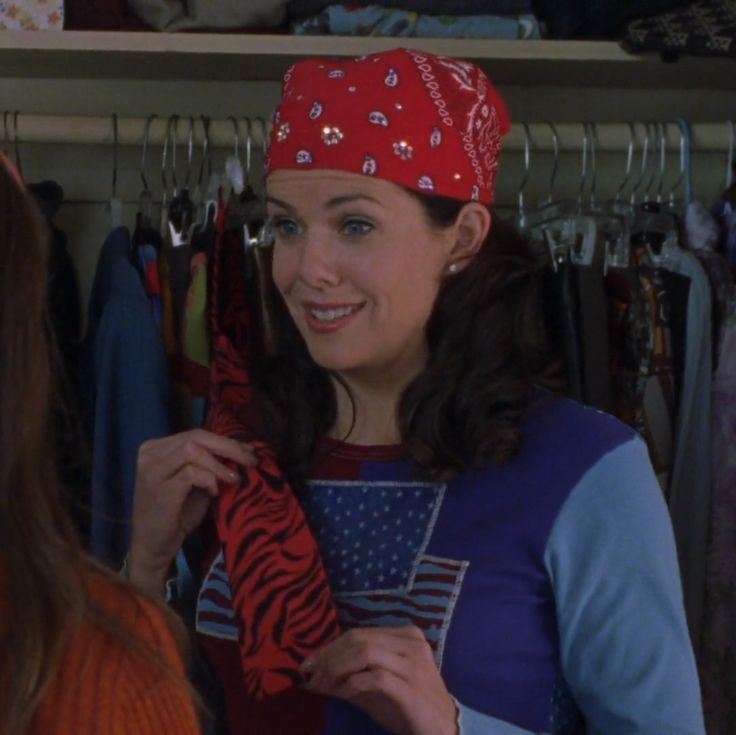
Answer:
x=625 y=648
x=471 y=722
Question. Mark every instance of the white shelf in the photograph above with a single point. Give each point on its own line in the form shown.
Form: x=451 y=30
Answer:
x=259 y=57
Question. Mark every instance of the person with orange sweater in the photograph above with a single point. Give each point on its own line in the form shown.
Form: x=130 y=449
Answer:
x=80 y=651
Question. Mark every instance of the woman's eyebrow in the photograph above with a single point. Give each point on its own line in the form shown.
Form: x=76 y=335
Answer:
x=279 y=203
x=331 y=204
x=337 y=201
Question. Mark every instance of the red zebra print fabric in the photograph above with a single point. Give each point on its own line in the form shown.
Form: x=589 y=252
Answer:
x=281 y=595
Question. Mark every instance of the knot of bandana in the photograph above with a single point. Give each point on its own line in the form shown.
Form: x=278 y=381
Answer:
x=431 y=123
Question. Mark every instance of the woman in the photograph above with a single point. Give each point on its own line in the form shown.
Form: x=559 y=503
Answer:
x=81 y=652
x=501 y=560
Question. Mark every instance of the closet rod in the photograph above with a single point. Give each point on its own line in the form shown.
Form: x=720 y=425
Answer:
x=98 y=130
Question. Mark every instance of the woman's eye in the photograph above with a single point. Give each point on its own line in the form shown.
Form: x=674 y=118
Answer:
x=356 y=227
x=283 y=227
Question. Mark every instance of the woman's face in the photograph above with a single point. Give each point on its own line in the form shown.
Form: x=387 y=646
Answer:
x=359 y=267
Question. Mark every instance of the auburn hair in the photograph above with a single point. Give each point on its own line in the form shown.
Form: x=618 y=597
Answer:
x=45 y=574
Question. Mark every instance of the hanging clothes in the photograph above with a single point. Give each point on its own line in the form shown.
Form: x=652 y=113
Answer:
x=703 y=238
x=690 y=486
x=596 y=354
x=562 y=321
x=65 y=313
x=717 y=660
x=126 y=383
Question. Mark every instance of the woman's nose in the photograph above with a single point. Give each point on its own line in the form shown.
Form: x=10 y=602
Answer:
x=318 y=264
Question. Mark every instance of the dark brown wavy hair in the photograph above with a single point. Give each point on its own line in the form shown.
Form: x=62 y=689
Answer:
x=44 y=571
x=467 y=407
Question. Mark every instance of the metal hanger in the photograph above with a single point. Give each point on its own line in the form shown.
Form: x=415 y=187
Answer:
x=598 y=226
x=729 y=161
x=617 y=199
x=115 y=205
x=16 y=144
x=206 y=201
x=164 y=180
x=145 y=199
x=652 y=227
x=234 y=173
x=6 y=132
x=555 y=163
x=181 y=210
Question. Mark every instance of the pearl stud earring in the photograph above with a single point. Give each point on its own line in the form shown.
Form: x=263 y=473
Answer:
x=453 y=268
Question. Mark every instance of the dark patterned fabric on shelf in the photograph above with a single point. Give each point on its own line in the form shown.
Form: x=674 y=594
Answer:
x=705 y=28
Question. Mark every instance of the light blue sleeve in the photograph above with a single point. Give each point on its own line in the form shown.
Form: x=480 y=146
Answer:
x=471 y=722
x=625 y=648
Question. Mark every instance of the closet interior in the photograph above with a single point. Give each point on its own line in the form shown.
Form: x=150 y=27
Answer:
x=607 y=157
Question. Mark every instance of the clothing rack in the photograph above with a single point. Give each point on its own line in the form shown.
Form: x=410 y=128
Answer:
x=131 y=131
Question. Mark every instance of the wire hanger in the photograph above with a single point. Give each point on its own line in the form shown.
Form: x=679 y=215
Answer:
x=16 y=144
x=115 y=204
x=145 y=199
x=6 y=132
x=521 y=219
x=181 y=210
x=234 y=173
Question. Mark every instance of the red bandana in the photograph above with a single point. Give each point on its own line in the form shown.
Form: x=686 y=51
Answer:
x=430 y=123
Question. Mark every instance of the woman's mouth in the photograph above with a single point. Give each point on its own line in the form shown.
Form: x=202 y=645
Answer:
x=325 y=318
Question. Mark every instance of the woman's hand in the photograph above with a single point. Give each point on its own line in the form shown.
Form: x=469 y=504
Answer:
x=390 y=673
x=176 y=479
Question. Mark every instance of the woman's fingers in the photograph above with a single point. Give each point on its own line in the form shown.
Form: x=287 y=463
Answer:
x=177 y=476
x=161 y=459
x=361 y=649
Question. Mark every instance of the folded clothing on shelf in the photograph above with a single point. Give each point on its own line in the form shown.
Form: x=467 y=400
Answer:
x=597 y=18
x=32 y=15
x=706 y=28
x=181 y=15
x=101 y=15
x=298 y=9
x=373 y=20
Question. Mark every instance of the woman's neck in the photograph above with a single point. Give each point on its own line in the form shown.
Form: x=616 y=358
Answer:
x=368 y=413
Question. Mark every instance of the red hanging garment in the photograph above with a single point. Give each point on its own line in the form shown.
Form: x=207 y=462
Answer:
x=281 y=596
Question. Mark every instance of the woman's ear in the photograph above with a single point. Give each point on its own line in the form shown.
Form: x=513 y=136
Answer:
x=470 y=231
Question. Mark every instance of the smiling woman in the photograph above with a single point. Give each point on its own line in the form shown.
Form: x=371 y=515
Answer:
x=500 y=560
x=380 y=284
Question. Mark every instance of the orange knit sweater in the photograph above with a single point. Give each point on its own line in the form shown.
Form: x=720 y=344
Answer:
x=104 y=688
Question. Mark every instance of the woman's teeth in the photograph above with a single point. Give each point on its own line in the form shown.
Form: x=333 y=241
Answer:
x=329 y=315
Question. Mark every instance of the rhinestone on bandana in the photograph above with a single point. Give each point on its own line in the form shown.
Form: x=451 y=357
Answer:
x=403 y=150
x=475 y=194
x=283 y=132
x=378 y=118
x=303 y=157
x=331 y=136
x=426 y=183
x=392 y=78
x=316 y=111
x=369 y=166
x=351 y=88
x=399 y=106
x=457 y=177
x=336 y=74
x=436 y=138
